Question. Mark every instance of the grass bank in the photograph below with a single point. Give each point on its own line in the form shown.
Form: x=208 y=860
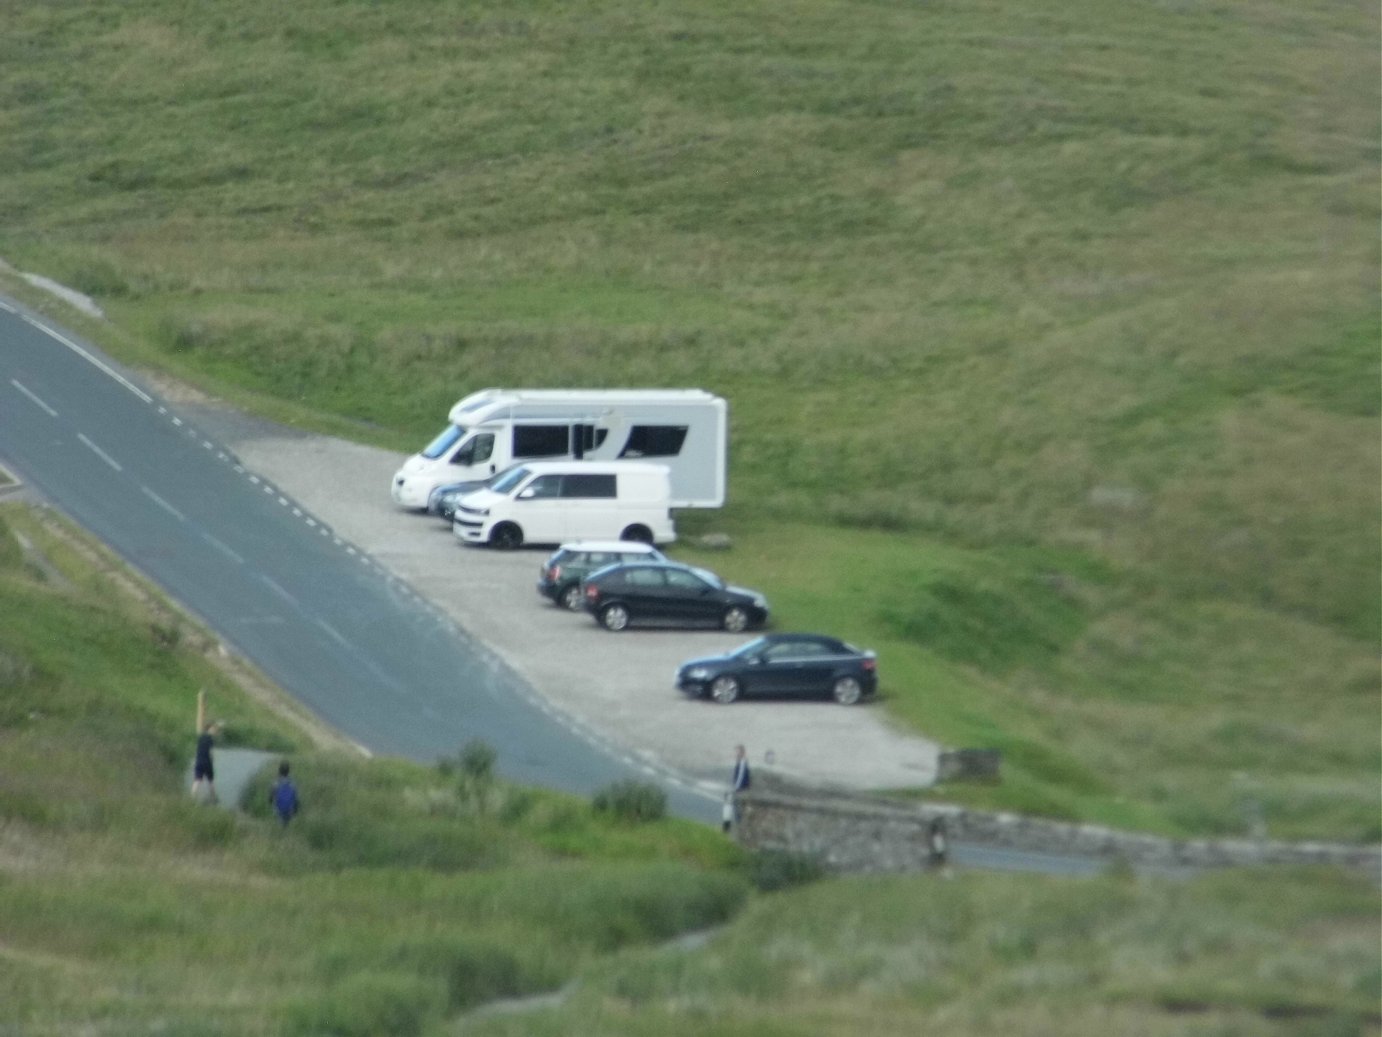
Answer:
x=396 y=903
x=1062 y=320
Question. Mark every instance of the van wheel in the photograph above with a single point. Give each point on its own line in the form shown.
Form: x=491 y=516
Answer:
x=571 y=597
x=735 y=619
x=638 y=534
x=724 y=690
x=506 y=536
x=614 y=617
x=846 y=691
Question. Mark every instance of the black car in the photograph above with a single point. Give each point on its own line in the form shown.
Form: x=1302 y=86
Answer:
x=784 y=665
x=618 y=595
x=561 y=575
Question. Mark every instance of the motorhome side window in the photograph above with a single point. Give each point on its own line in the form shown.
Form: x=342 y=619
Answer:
x=540 y=440
x=586 y=437
x=477 y=450
x=588 y=486
x=655 y=441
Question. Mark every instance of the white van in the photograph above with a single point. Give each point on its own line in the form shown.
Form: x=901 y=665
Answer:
x=547 y=502
x=684 y=429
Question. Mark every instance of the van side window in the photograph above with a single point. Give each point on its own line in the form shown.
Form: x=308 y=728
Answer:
x=654 y=441
x=543 y=486
x=540 y=440
x=588 y=485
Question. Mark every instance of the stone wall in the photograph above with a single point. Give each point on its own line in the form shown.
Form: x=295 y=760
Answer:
x=861 y=835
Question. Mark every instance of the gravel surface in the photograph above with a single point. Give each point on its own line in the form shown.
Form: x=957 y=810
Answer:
x=617 y=684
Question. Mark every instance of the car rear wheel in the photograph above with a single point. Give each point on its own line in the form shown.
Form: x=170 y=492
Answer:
x=571 y=597
x=847 y=691
x=724 y=690
x=506 y=536
x=735 y=619
x=614 y=617
x=638 y=534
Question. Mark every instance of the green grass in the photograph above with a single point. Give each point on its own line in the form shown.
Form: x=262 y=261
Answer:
x=396 y=903
x=1064 y=317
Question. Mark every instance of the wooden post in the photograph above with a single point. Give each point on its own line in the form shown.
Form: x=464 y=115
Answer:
x=201 y=710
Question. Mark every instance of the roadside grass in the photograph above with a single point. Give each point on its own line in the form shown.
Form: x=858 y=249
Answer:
x=983 y=954
x=398 y=904
x=1084 y=294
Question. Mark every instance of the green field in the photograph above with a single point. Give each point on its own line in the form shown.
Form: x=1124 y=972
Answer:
x=1051 y=340
x=1050 y=332
x=396 y=904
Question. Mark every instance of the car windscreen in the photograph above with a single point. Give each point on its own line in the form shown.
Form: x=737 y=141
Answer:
x=445 y=441
x=752 y=648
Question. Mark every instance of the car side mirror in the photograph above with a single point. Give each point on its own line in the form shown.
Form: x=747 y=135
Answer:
x=526 y=494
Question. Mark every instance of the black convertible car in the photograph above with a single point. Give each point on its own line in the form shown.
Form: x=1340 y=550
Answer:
x=782 y=666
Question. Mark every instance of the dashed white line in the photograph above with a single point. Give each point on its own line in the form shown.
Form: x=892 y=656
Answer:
x=100 y=453
x=223 y=548
x=34 y=397
x=278 y=589
x=163 y=504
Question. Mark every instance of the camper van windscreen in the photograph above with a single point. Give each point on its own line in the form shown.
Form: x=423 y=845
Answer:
x=444 y=442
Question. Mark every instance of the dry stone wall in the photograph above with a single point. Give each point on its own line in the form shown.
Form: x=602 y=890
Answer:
x=850 y=834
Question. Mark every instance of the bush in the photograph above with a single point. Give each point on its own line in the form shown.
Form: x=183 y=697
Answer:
x=368 y=1004
x=633 y=801
x=778 y=869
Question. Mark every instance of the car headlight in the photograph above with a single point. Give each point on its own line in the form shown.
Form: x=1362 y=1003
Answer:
x=698 y=673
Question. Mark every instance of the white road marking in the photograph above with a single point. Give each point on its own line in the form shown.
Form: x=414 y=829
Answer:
x=163 y=504
x=101 y=453
x=278 y=589
x=33 y=396
x=223 y=548
x=89 y=356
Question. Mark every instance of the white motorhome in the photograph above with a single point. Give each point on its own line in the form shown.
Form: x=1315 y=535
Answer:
x=547 y=502
x=684 y=429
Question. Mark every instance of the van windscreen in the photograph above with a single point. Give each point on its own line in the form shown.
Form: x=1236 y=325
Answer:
x=508 y=480
x=445 y=441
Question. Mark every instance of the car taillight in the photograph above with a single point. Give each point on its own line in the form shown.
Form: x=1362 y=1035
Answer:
x=554 y=573
x=592 y=592
x=870 y=664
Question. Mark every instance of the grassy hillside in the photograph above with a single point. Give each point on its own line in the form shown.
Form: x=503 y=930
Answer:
x=1050 y=332
x=392 y=905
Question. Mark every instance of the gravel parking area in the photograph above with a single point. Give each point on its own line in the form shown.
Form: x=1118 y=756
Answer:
x=619 y=685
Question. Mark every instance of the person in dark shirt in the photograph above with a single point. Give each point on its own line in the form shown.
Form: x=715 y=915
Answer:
x=203 y=767
x=283 y=797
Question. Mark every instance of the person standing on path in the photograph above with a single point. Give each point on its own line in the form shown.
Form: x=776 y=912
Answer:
x=284 y=795
x=738 y=782
x=203 y=768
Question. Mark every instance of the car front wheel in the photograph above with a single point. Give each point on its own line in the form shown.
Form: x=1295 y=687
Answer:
x=847 y=691
x=614 y=617
x=571 y=598
x=506 y=536
x=735 y=619
x=724 y=690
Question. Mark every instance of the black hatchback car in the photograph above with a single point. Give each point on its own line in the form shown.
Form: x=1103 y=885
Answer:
x=619 y=595
x=783 y=666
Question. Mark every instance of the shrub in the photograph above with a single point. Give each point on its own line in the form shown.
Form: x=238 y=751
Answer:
x=778 y=869
x=633 y=801
x=368 y=1004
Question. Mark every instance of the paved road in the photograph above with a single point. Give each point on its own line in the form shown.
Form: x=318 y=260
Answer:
x=281 y=587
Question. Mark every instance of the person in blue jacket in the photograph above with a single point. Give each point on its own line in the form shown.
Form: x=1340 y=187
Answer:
x=283 y=797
